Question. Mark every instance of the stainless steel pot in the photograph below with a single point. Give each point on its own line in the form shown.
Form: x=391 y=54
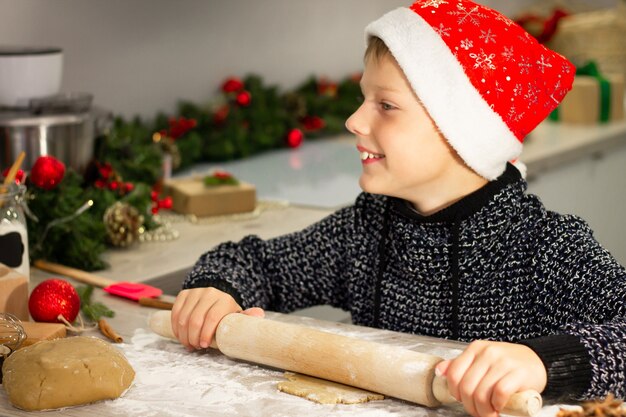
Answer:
x=68 y=137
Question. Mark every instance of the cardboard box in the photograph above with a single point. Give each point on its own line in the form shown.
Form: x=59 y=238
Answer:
x=13 y=293
x=582 y=104
x=191 y=196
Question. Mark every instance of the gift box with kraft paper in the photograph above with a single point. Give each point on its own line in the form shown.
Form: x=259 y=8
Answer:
x=191 y=196
x=586 y=105
x=13 y=293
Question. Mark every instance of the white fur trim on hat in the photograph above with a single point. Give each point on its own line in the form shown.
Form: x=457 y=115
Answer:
x=473 y=129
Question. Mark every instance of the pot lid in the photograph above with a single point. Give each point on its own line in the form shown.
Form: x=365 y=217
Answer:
x=28 y=50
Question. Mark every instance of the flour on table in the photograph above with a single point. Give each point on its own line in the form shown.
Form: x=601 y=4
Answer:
x=172 y=382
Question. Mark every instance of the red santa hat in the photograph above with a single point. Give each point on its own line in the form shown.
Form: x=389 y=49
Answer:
x=483 y=79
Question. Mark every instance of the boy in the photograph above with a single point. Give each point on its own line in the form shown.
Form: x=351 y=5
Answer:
x=444 y=242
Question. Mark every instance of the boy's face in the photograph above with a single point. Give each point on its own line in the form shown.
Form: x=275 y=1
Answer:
x=410 y=157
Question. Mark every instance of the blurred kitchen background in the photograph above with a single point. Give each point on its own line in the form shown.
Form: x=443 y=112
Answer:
x=138 y=57
x=142 y=57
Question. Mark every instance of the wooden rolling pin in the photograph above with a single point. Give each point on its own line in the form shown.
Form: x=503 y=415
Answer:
x=389 y=370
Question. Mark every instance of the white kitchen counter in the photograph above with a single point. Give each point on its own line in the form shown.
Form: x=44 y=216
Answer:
x=551 y=145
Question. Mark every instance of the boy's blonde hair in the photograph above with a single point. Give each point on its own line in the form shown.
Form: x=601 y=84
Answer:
x=376 y=48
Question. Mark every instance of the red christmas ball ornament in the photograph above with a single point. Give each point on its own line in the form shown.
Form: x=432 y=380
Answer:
x=114 y=185
x=244 y=98
x=222 y=175
x=53 y=298
x=19 y=175
x=313 y=123
x=47 y=172
x=295 y=138
x=165 y=203
x=105 y=170
x=232 y=85
x=180 y=126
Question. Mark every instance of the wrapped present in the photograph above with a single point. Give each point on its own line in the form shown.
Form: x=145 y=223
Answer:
x=594 y=98
x=13 y=293
x=212 y=195
x=594 y=36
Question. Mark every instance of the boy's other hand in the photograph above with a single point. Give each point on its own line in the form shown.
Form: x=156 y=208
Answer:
x=487 y=373
x=198 y=311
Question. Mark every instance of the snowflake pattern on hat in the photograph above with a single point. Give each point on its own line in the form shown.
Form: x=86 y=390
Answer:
x=508 y=67
x=483 y=79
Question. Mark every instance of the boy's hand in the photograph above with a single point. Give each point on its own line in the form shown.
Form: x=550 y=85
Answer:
x=198 y=311
x=487 y=373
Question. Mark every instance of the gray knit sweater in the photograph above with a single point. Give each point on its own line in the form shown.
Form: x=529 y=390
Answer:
x=495 y=265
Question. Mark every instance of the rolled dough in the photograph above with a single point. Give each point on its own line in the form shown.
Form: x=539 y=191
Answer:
x=65 y=372
x=325 y=392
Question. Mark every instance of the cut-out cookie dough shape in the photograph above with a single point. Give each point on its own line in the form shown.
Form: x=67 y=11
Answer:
x=325 y=392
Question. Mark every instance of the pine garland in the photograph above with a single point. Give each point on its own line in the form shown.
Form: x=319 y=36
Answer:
x=228 y=129
x=246 y=118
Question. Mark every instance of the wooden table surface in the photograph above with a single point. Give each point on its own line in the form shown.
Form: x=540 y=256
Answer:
x=212 y=384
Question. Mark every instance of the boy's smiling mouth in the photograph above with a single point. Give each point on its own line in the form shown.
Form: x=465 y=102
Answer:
x=367 y=156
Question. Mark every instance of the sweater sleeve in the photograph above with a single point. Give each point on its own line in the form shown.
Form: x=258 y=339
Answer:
x=584 y=298
x=286 y=273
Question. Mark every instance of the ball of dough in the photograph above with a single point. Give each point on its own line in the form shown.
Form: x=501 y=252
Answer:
x=65 y=372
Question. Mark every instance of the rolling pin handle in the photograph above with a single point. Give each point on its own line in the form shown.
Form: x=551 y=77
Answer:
x=524 y=404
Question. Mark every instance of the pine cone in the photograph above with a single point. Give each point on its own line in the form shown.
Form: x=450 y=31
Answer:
x=122 y=223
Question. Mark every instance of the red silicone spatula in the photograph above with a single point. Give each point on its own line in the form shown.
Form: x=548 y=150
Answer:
x=132 y=290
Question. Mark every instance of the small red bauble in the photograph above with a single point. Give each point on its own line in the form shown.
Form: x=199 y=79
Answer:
x=19 y=175
x=106 y=170
x=47 y=172
x=222 y=175
x=180 y=126
x=52 y=298
x=232 y=85
x=313 y=123
x=114 y=185
x=295 y=138
x=166 y=203
x=244 y=98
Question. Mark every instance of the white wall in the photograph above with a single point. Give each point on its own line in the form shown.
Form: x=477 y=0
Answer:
x=141 y=56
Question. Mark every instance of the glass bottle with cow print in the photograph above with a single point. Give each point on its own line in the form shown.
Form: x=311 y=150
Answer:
x=13 y=232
